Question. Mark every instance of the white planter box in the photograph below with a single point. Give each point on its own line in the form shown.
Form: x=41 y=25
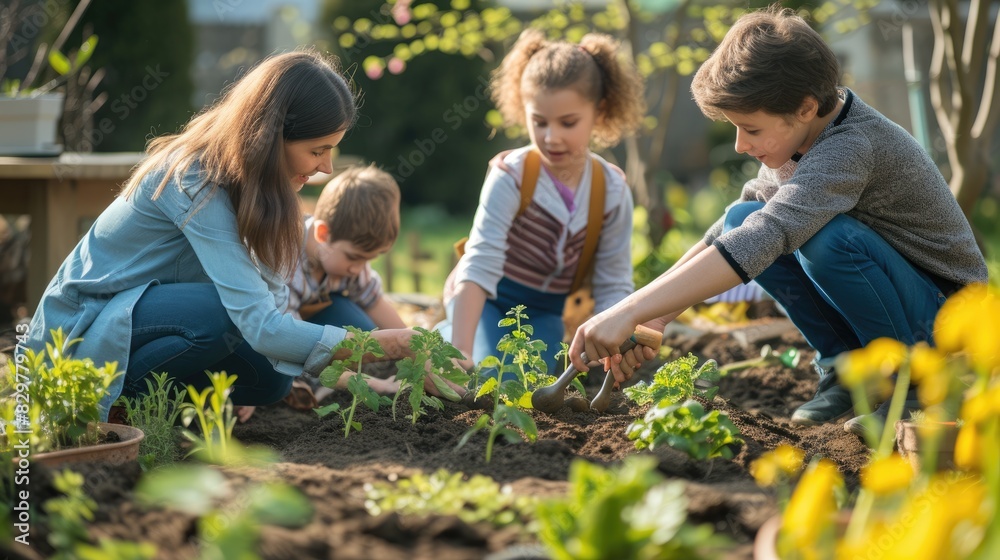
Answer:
x=28 y=125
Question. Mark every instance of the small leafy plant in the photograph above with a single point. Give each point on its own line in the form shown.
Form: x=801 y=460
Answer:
x=433 y=360
x=677 y=381
x=688 y=428
x=55 y=394
x=359 y=344
x=504 y=418
x=213 y=411
x=627 y=512
x=475 y=500
x=526 y=362
x=156 y=413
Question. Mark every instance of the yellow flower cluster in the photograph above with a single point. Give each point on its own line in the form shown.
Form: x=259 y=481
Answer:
x=785 y=461
x=900 y=514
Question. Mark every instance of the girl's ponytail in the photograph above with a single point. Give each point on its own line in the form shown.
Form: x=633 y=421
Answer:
x=505 y=83
x=621 y=103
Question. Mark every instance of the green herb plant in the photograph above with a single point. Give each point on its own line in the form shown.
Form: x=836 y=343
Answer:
x=433 y=360
x=628 y=512
x=688 y=428
x=156 y=413
x=359 y=344
x=68 y=516
x=474 y=500
x=55 y=394
x=676 y=381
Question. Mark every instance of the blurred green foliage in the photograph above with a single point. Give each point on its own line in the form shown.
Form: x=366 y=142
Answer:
x=146 y=50
x=425 y=125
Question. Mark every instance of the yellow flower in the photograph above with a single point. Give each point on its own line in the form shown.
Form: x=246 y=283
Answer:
x=976 y=408
x=881 y=358
x=968 y=447
x=784 y=459
x=957 y=316
x=926 y=362
x=810 y=511
x=789 y=458
x=970 y=322
x=887 y=475
x=765 y=470
x=925 y=527
x=933 y=389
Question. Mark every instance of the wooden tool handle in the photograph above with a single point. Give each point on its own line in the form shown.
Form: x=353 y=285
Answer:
x=645 y=336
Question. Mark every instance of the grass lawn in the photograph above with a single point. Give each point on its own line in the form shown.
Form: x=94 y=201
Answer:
x=430 y=232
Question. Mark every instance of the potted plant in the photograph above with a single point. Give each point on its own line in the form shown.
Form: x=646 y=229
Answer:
x=51 y=409
x=900 y=512
x=29 y=115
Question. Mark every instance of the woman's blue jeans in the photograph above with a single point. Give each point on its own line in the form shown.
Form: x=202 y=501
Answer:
x=847 y=286
x=544 y=313
x=184 y=330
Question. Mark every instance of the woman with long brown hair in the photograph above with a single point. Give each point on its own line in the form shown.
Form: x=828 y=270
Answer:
x=184 y=271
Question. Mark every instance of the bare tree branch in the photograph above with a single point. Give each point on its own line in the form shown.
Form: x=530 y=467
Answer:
x=989 y=108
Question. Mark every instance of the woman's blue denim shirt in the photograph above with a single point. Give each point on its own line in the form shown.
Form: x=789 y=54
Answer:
x=187 y=234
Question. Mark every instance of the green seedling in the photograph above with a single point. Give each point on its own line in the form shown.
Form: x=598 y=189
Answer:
x=563 y=357
x=688 y=428
x=213 y=410
x=501 y=423
x=628 y=512
x=156 y=413
x=68 y=516
x=360 y=344
x=677 y=381
x=56 y=395
x=526 y=362
x=476 y=500
x=433 y=360
x=768 y=357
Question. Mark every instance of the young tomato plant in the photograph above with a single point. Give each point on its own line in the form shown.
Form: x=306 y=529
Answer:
x=686 y=427
x=433 y=361
x=525 y=361
x=677 y=381
x=359 y=344
x=500 y=424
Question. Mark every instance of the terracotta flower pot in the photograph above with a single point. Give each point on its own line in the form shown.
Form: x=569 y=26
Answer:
x=910 y=443
x=114 y=453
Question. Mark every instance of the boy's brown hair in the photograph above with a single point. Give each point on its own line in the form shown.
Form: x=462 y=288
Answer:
x=361 y=205
x=770 y=61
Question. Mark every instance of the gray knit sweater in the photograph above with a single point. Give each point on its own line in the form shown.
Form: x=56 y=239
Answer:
x=868 y=167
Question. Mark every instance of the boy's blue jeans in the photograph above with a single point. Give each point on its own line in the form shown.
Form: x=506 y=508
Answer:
x=342 y=312
x=183 y=329
x=847 y=286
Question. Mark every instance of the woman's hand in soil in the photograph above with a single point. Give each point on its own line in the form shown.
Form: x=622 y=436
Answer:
x=243 y=413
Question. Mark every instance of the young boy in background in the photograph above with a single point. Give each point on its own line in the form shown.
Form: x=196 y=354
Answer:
x=356 y=219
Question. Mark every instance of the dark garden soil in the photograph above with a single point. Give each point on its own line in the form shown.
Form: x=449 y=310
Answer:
x=332 y=470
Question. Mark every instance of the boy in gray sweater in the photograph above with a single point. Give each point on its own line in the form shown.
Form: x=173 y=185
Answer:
x=849 y=225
